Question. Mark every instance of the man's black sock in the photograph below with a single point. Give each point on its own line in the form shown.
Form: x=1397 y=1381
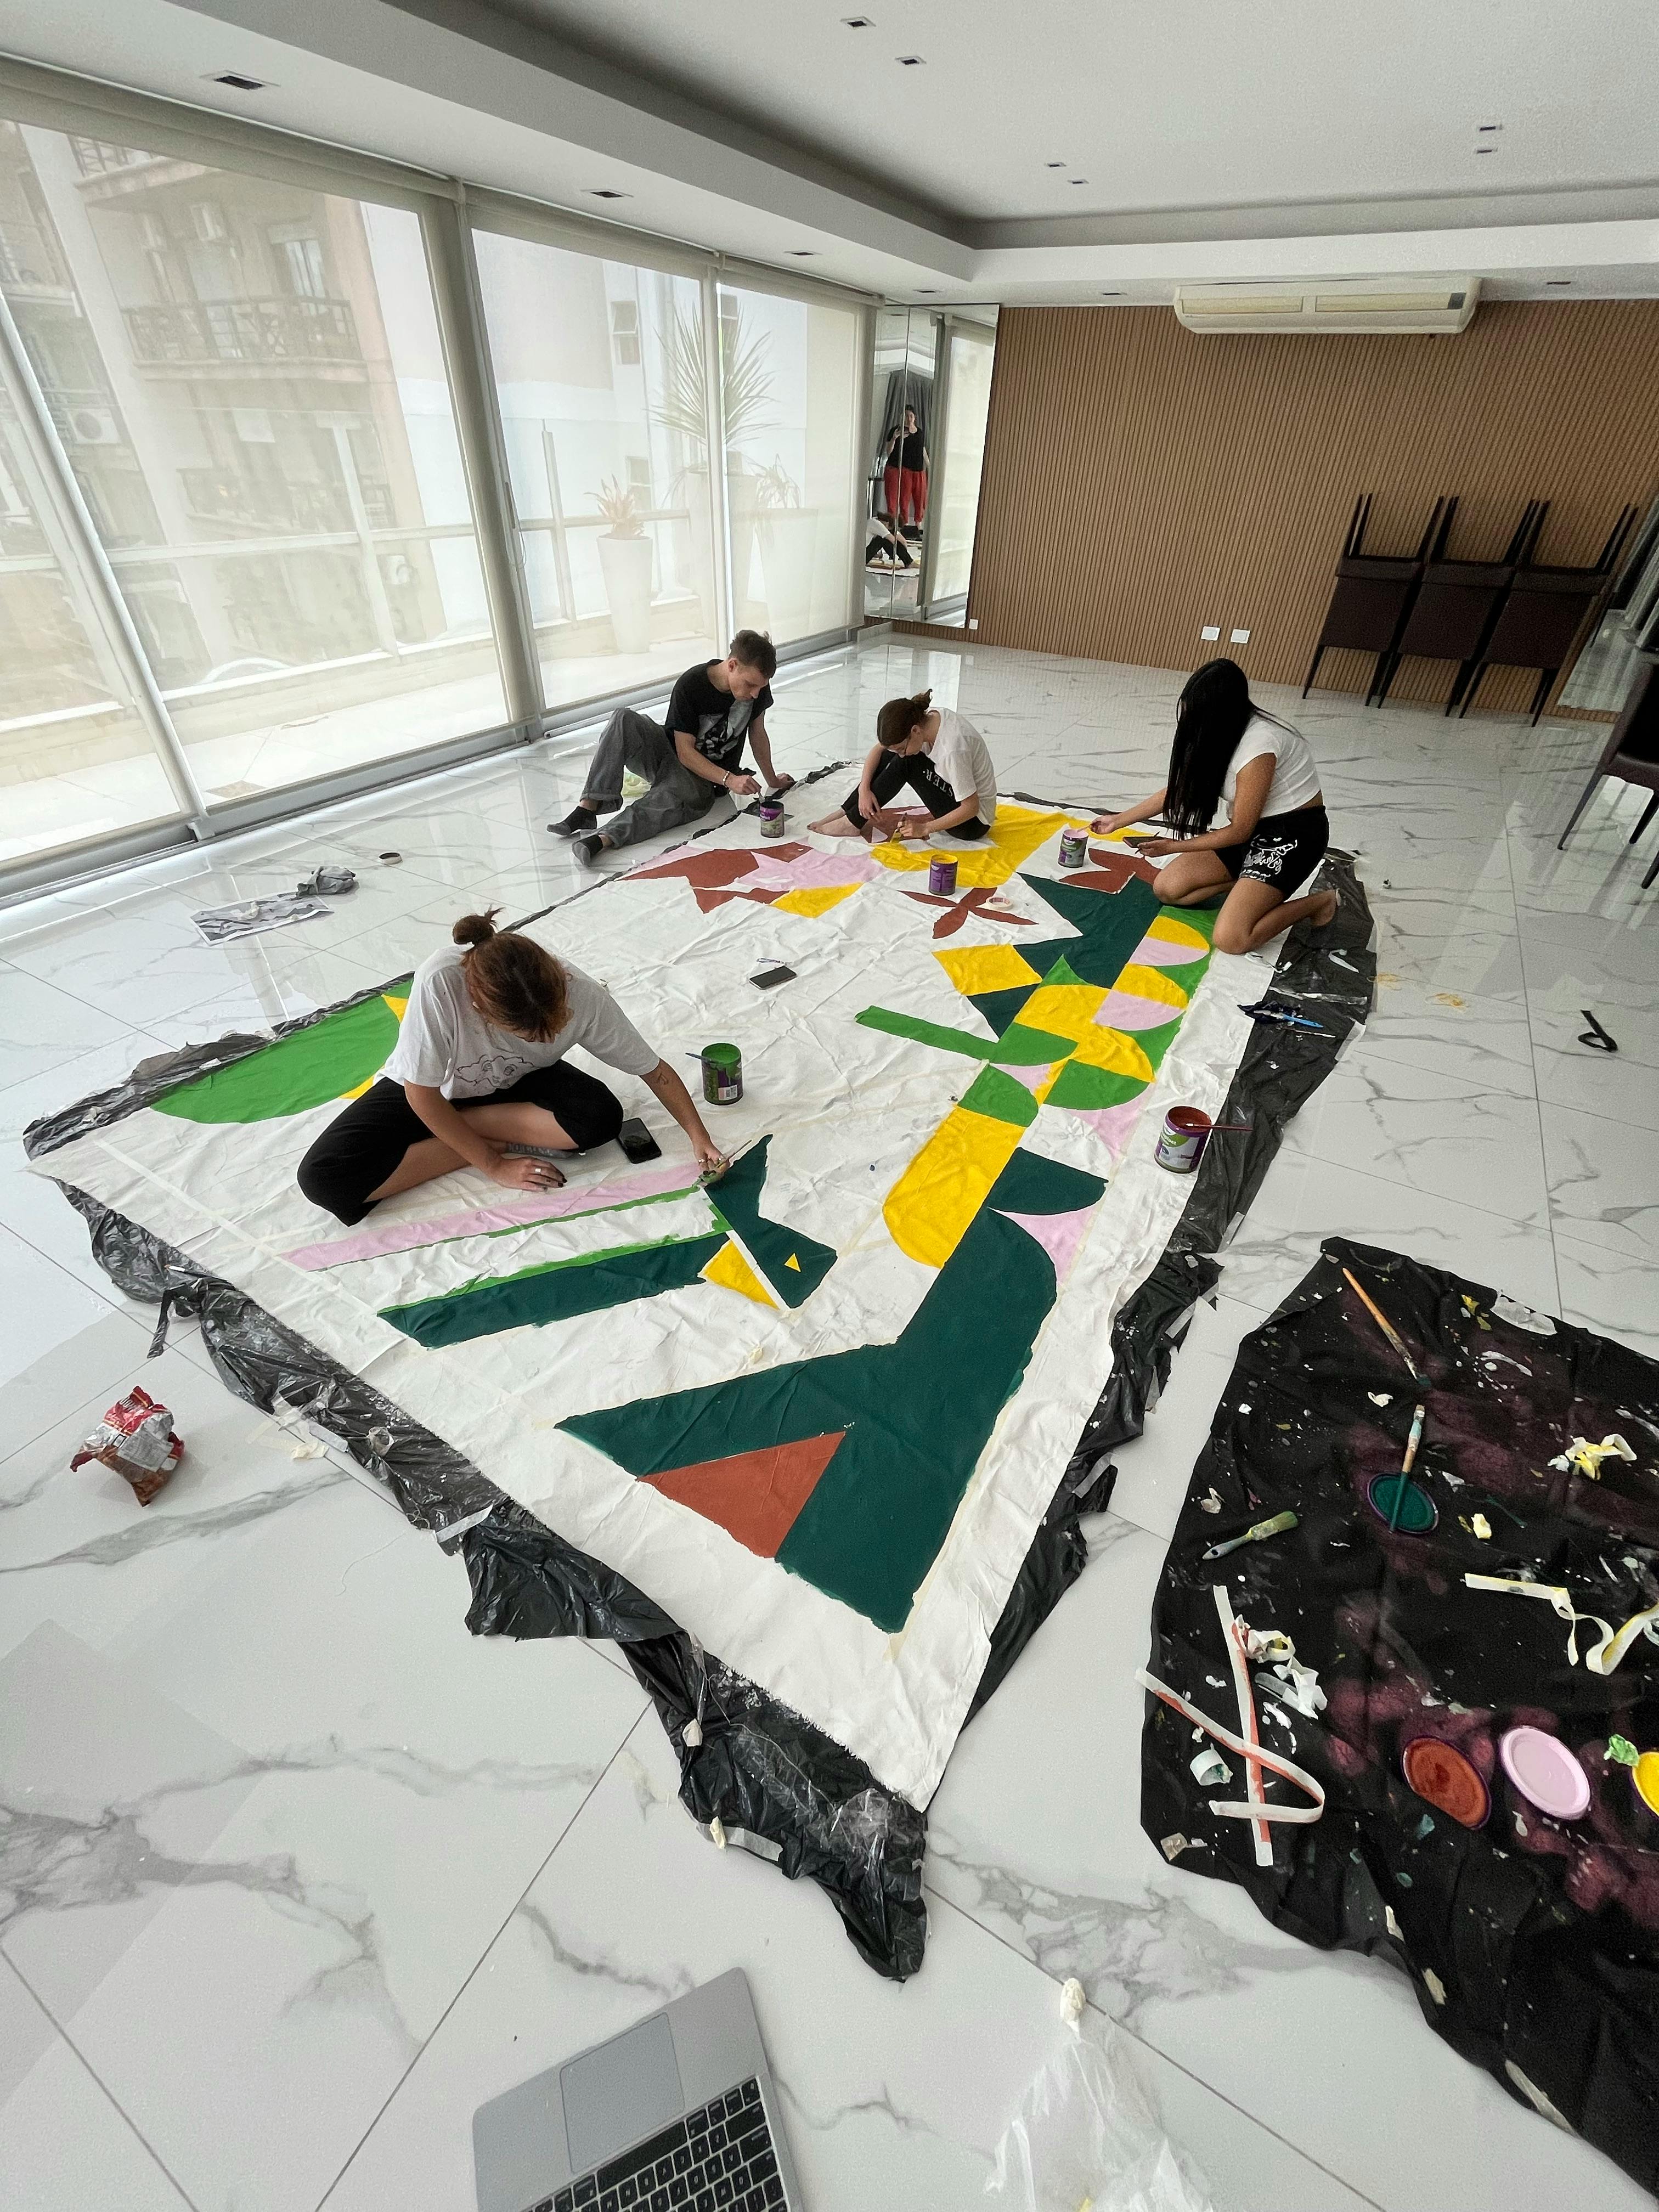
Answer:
x=579 y=819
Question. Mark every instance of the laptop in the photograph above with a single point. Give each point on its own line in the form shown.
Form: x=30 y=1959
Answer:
x=679 y=2113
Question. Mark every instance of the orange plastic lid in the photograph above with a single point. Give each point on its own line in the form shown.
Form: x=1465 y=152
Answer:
x=1439 y=1773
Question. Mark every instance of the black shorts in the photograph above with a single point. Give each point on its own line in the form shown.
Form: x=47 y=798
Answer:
x=894 y=771
x=362 y=1146
x=1283 y=849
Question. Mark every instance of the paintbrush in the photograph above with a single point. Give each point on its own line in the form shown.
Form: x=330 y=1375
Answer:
x=1276 y=1526
x=1384 y=1323
x=1410 y=1460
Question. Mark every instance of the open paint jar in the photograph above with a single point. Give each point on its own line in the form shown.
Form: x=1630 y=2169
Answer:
x=1181 y=1143
x=722 y=1074
x=1444 y=1778
x=1545 y=1772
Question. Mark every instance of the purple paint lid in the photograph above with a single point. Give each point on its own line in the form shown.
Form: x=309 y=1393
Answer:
x=1544 y=1770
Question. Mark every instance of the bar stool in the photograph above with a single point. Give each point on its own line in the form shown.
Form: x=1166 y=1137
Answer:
x=1632 y=753
x=1372 y=593
x=1542 y=614
x=1452 y=613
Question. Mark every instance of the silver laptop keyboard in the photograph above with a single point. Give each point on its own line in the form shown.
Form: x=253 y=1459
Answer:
x=718 y=2159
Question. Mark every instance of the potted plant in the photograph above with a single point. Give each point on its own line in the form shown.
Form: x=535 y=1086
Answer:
x=625 y=554
x=746 y=394
x=787 y=533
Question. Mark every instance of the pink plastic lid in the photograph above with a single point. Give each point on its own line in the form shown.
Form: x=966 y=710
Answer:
x=1543 y=1768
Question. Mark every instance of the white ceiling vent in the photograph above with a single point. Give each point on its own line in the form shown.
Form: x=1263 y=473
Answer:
x=1408 y=304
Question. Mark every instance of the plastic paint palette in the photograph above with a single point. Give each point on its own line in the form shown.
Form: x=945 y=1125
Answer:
x=1544 y=1770
x=1417 y=1511
x=1443 y=1777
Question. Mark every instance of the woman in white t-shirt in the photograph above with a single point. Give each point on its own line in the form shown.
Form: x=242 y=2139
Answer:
x=1227 y=751
x=479 y=1068
x=940 y=755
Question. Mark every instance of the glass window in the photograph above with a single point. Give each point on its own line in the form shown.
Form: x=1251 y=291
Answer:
x=598 y=368
x=75 y=760
x=789 y=373
x=248 y=379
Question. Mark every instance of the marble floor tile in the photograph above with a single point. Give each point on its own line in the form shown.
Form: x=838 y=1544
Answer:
x=1305 y=1200
x=63 y=2145
x=894 y=2096
x=1485 y=1041
x=1328 y=2050
x=1614 y=1292
x=43 y=1028
x=1603 y=1182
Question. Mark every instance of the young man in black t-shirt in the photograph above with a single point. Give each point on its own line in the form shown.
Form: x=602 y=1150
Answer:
x=712 y=709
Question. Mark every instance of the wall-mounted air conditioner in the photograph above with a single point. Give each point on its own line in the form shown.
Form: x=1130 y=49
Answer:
x=1410 y=305
x=94 y=426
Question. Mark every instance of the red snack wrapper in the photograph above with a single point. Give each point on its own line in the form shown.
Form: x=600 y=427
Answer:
x=135 y=1439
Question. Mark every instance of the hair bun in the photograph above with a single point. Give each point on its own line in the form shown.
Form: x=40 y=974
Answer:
x=476 y=928
x=923 y=699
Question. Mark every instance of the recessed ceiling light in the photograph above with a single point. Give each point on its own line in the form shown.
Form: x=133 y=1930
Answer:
x=1054 y=165
x=1483 y=150
x=1076 y=180
x=927 y=291
x=238 y=82
x=1488 y=126
x=1558 y=279
x=605 y=192
x=909 y=61
x=803 y=254
x=1111 y=296
x=858 y=22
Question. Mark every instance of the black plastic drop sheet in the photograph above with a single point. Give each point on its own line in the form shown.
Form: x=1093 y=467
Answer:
x=1532 y=1942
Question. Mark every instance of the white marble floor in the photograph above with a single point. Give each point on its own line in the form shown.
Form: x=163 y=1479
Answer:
x=296 y=1872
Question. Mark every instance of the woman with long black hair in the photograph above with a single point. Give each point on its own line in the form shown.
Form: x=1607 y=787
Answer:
x=1227 y=750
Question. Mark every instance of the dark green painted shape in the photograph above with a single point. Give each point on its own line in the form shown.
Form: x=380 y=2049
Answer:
x=311 y=1067
x=998 y=1096
x=736 y=1198
x=917 y=1413
x=1085 y=1088
x=933 y=1033
x=541 y=1295
x=1018 y=1047
x=1112 y=924
x=1001 y=1007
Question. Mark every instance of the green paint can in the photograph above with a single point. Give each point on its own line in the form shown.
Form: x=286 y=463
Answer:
x=722 y=1074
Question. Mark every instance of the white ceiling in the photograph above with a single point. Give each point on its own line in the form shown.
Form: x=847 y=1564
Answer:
x=1186 y=104
x=1219 y=138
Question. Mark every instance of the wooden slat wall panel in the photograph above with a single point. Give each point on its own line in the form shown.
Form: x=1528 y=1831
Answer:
x=1141 y=480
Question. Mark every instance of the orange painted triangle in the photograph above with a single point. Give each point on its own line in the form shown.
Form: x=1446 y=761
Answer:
x=754 y=1496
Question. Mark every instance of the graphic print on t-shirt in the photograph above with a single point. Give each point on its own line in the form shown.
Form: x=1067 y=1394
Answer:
x=715 y=720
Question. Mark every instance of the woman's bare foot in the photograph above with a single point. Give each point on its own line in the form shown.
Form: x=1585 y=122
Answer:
x=837 y=825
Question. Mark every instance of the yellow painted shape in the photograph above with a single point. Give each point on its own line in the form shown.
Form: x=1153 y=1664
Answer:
x=1065 y=1009
x=1115 y=1051
x=396 y=1005
x=1143 y=982
x=817 y=900
x=930 y=1207
x=1180 y=933
x=976 y=968
x=791 y=1261
x=361 y=1087
x=1015 y=836
x=732 y=1272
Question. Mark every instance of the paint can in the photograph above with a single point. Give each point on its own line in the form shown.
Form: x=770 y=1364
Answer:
x=722 y=1074
x=942 y=877
x=1180 y=1142
x=1073 y=847
x=771 y=817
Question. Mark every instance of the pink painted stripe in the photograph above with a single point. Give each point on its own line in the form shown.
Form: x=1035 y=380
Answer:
x=1115 y=1123
x=1124 y=1011
x=1159 y=952
x=481 y=1221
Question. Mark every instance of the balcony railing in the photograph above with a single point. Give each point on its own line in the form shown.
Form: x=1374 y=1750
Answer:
x=260 y=330
x=30 y=256
x=218 y=496
x=96 y=157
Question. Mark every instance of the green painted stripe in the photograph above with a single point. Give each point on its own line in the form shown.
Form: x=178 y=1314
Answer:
x=998 y=1096
x=1085 y=1088
x=920 y=1032
x=558 y=1292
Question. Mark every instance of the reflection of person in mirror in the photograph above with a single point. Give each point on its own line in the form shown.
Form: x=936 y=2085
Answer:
x=904 y=473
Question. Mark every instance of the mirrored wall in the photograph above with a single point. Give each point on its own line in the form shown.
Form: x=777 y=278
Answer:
x=930 y=401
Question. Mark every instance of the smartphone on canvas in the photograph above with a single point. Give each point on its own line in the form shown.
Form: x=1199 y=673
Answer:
x=637 y=1141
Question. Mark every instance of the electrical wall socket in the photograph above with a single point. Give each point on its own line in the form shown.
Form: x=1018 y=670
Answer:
x=1210 y=632
x=1240 y=637
x=973 y=622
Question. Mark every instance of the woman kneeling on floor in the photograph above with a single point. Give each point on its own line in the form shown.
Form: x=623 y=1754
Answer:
x=478 y=1078
x=1277 y=831
x=942 y=758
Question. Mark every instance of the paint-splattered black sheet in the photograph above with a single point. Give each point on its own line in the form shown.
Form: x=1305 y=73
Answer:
x=1532 y=1942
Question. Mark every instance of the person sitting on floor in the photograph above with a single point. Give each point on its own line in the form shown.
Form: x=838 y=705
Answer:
x=711 y=710
x=940 y=755
x=478 y=1078
x=1227 y=749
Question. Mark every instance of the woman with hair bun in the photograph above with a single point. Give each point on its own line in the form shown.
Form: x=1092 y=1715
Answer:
x=1228 y=753
x=478 y=1078
x=940 y=755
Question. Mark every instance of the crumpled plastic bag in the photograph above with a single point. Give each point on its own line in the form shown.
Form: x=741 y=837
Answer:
x=1085 y=2139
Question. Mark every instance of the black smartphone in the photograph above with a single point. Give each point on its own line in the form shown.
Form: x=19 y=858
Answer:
x=637 y=1141
x=769 y=976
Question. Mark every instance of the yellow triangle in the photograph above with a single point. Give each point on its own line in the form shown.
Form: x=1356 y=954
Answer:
x=791 y=1261
x=397 y=1004
x=732 y=1272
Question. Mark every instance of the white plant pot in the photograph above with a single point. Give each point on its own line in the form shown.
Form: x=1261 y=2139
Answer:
x=626 y=562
